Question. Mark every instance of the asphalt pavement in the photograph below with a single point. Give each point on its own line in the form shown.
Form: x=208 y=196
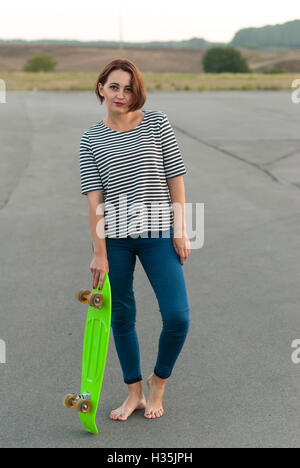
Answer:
x=234 y=384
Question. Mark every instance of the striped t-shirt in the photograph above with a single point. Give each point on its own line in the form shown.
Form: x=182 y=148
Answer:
x=131 y=169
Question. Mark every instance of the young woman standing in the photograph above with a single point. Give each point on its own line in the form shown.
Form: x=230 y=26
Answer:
x=132 y=157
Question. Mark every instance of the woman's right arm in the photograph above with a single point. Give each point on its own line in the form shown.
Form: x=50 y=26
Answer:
x=99 y=265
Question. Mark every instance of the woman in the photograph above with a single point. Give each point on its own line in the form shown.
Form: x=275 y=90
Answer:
x=132 y=157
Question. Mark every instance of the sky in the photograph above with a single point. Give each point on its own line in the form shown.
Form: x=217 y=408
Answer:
x=142 y=20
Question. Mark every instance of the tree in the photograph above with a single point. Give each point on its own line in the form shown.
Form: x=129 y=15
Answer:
x=40 y=63
x=224 y=59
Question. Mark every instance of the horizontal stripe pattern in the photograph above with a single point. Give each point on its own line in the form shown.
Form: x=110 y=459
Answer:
x=132 y=169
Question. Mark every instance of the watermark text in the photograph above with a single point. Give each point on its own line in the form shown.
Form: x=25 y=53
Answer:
x=2 y=92
x=296 y=93
x=2 y=352
x=121 y=219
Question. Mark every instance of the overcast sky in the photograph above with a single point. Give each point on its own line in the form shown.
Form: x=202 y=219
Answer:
x=143 y=20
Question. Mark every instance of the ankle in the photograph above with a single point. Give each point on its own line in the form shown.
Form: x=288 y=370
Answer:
x=136 y=389
x=158 y=380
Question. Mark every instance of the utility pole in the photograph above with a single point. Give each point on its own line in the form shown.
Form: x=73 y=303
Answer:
x=121 y=25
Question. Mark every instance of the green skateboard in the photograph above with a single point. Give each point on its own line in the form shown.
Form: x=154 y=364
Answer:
x=95 y=348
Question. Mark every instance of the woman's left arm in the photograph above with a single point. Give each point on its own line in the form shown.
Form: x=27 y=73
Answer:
x=181 y=241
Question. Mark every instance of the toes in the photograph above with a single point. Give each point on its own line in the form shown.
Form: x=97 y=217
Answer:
x=122 y=418
x=152 y=414
x=117 y=417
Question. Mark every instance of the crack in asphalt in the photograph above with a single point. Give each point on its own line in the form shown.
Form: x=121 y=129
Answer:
x=285 y=156
x=260 y=167
x=21 y=175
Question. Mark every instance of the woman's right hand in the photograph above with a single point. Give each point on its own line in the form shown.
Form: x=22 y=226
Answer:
x=99 y=267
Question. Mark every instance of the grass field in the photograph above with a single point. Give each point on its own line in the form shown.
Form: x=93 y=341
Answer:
x=20 y=81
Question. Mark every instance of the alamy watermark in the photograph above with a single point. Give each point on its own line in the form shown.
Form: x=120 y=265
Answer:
x=2 y=92
x=2 y=352
x=296 y=93
x=296 y=354
x=122 y=219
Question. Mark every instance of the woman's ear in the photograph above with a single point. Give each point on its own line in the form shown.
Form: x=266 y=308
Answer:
x=99 y=88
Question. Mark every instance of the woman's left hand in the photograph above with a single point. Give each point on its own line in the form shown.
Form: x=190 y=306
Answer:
x=182 y=246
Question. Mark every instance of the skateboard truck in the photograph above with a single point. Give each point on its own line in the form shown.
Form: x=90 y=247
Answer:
x=79 y=402
x=87 y=297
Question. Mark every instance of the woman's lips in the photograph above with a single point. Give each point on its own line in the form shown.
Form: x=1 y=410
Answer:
x=119 y=104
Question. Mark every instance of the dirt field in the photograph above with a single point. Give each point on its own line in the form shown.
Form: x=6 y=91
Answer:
x=86 y=59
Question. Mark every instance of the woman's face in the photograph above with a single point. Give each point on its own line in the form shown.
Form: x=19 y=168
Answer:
x=117 y=89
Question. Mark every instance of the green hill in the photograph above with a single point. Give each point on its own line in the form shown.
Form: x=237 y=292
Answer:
x=279 y=36
x=285 y=35
x=193 y=43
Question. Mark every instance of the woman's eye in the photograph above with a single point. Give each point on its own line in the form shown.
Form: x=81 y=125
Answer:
x=127 y=89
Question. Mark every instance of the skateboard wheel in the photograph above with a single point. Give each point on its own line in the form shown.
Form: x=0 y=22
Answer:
x=69 y=401
x=95 y=300
x=83 y=406
x=82 y=295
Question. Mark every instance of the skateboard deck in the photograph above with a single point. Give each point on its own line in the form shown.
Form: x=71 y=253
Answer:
x=95 y=347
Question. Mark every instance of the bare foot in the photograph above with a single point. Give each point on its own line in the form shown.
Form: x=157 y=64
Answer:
x=132 y=403
x=154 y=408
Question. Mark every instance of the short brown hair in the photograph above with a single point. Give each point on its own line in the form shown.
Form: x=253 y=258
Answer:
x=137 y=82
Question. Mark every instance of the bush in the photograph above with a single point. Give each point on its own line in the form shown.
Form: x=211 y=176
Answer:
x=223 y=60
x=274 y=71
x=40 y=63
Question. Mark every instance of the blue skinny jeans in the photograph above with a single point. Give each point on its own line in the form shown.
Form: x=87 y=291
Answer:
x=165 y=272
